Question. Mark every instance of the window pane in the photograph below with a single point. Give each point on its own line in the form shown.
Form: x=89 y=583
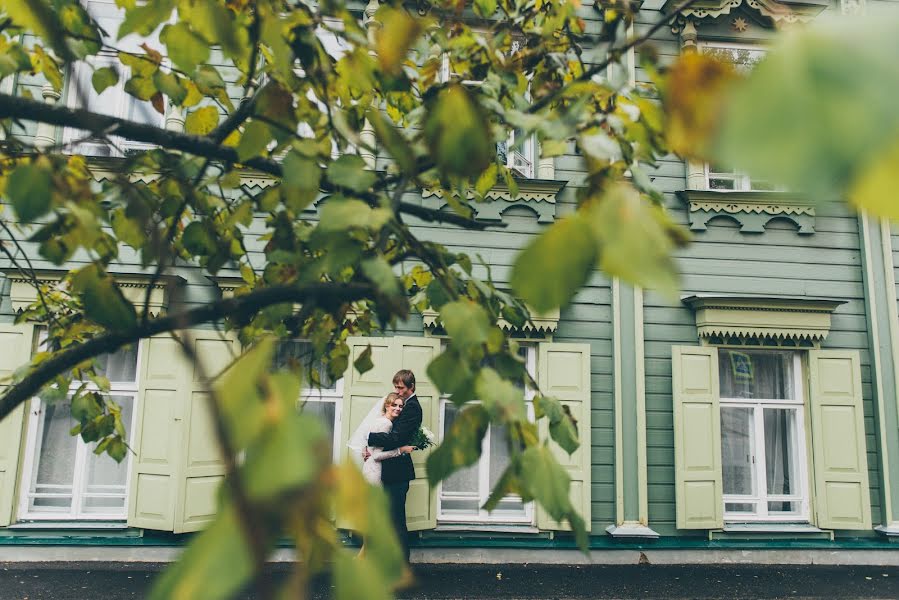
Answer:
x=325 y=412
x=56 y=457
x=464 y=480
x=740 y=507
x=780 y=452
x=783 y=507
x=298 y=354
x=737 y=451
x=105 y=476
x=756 y=375
x=119 y=366
x=720 y=184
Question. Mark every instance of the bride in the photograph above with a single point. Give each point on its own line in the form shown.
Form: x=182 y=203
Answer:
x=379 y=420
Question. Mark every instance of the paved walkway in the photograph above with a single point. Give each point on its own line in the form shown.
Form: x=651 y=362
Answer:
x=73 y=581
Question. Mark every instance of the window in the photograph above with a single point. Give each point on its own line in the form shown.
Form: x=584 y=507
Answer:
x=519 y=152
x=463 y=493
x=320 y=397
x=763 y=454
x=743 y=57
x=63 y=478
x=113 y=101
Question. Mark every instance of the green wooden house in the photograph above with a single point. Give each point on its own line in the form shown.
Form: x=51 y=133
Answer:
x=761 y=410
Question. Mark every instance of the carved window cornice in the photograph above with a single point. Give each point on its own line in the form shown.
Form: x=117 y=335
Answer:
x=752 y=210
x=23 y=294
x=760 y=319
x=544 y=324
x=537 y=194
x=783 y=12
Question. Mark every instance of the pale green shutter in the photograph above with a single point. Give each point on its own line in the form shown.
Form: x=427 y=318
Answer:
x=361 y=391
x=563 y=372
x=415 y=354
x=842 y=497
x=158 y=436
x=178 y=465
x=16 y=343
x=204 y=468
x=697 y=437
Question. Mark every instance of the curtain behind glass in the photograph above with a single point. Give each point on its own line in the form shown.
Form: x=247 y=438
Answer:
x=754 y=374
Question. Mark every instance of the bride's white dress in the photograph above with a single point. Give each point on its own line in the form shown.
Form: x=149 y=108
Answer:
x=371 y=469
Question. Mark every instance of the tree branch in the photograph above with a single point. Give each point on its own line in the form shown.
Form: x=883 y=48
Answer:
x=42 y=374
x=20 y=107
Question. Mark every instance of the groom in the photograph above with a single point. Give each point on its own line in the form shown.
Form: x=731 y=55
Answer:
x=396 y=473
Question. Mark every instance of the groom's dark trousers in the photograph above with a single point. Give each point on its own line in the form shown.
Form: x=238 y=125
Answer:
x=396 y=473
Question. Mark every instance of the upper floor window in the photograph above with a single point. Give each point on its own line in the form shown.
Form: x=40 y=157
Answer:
x=113 y=101
x=744 y=57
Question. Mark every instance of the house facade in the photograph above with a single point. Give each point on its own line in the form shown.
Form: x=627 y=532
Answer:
x=759 y=410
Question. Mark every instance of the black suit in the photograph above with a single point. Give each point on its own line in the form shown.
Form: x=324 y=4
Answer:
x=396 y=473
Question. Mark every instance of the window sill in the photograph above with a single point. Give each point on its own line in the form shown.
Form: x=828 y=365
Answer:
x=752 y=210
x=771 y=528
x=485 y=528
x=69 y=525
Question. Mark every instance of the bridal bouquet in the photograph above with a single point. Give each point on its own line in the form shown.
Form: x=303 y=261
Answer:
x=423 y=438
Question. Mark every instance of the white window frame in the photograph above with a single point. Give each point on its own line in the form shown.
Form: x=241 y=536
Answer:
x=483 y=465
x=761 y=497
x=82 y=451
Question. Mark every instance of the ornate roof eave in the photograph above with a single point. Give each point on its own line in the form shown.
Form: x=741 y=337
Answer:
x=752 y=210
x=781 y=12
x=765 y=317
x=133 y=286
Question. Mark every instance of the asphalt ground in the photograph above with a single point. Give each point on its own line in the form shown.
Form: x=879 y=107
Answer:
x=114 y=581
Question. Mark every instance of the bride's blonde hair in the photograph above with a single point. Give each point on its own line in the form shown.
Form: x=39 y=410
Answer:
x=388 y=400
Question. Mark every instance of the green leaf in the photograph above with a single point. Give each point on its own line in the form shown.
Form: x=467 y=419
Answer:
x=216 y=564
x=500 y=398
x=288 y=455
x=450 y=372
x=636 y=239
x=103 y=301
x=874 y=188
x=354 y=578
x=363 y=362
x=117 y=449
x=820 y=108
x=485 y=8
x=256 y=136
x=29 y=189
x=397 y=33
x=86 y=407
x=379 y=272
x=339 y=214
x=349 y=171
x=185 y=48
x=562 y=428
x=461 y=445
x=487 y=180
x=238 y=392
x=553 y=267
x=103 y=78
x=302 y=178
x=198 y=239
x=457 y=132
x=209 y=81
x=171 y=85
x=145 y=18
x=546 y=481
x=141 y=88
x=392 y=140
x=466 y=323
x=202 y=120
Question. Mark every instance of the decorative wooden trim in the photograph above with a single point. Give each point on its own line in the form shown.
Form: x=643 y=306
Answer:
x=765 y=318
x=134 y=287
x=545 y=324
x=782 y=12
x=537 y=194
x=752 y=210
